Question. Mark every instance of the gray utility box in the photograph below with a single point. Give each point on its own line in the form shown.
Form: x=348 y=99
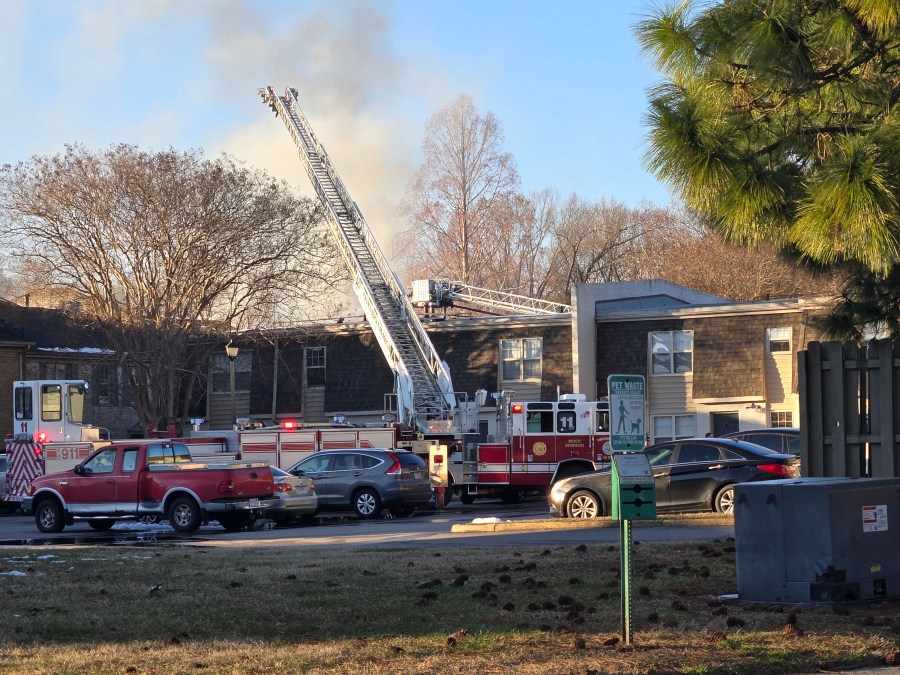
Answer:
x=818 y=539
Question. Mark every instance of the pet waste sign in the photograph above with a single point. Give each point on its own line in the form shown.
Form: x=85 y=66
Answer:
x=627 y=394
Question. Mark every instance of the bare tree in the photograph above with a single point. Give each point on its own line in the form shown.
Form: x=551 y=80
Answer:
x=684 y=250
x=168 y=253
x=597 y=242
x=458 y=194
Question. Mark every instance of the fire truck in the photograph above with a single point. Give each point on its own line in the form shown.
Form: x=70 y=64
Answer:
x=533 y=443
x=50 y=434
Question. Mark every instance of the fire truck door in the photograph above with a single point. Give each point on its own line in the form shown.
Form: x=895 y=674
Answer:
x=538 y=444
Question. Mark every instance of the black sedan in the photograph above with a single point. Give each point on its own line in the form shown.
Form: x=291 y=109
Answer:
x=694 y=474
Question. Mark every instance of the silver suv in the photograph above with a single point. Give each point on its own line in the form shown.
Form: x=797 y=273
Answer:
x=367 y=480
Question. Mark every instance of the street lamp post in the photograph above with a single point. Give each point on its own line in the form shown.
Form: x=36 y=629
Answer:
x=232 y=351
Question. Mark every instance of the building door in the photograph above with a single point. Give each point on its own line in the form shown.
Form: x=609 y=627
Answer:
x=724 y=423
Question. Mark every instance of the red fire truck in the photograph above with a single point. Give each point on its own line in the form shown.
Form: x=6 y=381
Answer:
x=543 y=442
x=533 y=445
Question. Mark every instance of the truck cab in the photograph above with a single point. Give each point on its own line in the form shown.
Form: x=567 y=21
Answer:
x=52 y=411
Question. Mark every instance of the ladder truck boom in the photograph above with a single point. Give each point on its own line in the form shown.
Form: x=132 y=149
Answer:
x=441 y=293
x=422 y=381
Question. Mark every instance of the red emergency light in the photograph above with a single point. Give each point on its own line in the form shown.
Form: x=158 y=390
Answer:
x=517 y=408
x=42 y=437
x=288 y=425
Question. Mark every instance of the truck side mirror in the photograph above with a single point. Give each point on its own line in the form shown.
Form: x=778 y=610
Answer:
x=79 y=469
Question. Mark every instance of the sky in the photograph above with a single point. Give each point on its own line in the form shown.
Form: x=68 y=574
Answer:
x=564 y=78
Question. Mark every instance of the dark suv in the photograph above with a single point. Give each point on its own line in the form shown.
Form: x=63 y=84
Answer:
x=779 y=439
x=368 y=480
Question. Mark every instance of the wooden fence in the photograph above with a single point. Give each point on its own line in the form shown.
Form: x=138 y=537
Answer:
x=850 y=409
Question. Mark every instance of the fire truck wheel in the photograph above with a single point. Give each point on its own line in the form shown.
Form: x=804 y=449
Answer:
x=48 y=516
x=513 y=496
x=234 y=521
x=101 y=525
x=448 y=494
x=725 y=500
x=184 y=515
x=367 y=503
x=403 y=511
x=466 y=498
x=583 y=504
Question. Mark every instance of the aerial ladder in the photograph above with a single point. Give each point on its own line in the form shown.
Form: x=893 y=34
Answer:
x=433 y=293
x=425 y=399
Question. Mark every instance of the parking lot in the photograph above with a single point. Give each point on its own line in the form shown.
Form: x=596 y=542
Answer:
x=529 y=525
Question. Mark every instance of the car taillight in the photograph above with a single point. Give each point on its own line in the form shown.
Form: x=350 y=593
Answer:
x=778 y=469
x=395 y=467
x=312 y=486
x=283 y=487
x=226 y=486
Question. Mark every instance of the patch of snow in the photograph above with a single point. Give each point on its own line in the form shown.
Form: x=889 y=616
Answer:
x=14 y=573
x=487 y=521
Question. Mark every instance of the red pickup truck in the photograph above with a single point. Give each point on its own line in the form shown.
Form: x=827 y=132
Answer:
x=129 y=479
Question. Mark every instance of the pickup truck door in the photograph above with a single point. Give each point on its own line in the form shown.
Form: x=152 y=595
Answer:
x=94 y=491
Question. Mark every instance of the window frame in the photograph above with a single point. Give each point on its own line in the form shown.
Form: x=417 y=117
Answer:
x=315 y=360
x=781 y=337
x=669 y=340
x=520 y=352
x=781 y=419
x=675 y=436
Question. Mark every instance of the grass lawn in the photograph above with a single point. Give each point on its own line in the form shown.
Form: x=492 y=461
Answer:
x=468 y=610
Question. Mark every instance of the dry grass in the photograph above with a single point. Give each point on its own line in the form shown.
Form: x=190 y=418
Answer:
x=531 y=611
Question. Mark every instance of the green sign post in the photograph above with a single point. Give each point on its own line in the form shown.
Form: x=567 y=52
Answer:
x=627 y=394
x=633 y=487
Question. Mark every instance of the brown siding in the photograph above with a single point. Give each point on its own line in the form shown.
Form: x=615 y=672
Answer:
x=728 y=350
x=9 y=371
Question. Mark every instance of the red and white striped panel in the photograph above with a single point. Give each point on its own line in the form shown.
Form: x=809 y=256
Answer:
x=23 y=466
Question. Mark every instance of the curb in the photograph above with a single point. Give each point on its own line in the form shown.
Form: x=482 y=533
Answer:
x=564 y=524
x=524 y=525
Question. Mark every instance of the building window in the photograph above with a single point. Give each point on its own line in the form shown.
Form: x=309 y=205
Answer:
x=521 y=359
x=671 y=427
x=672 y=352
x=782 y=418
x=221 y=379
x=104 y=387
x=315 y=366
x=58 y=371
x=779 y=340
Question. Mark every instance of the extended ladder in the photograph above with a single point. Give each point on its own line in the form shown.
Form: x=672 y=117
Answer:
x=423 y=386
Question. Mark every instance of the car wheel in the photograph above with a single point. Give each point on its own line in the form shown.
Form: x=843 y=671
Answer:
x=367 y=503
x=149 y=520
x=234 y=521
x=403 y=511
x=49 y=516
x=184 y=515
x=466 y=498
x=725 y=500
x=101 y=525
x=583 y=504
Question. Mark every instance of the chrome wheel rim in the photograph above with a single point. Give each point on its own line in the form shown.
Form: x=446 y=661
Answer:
x=583 y=506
